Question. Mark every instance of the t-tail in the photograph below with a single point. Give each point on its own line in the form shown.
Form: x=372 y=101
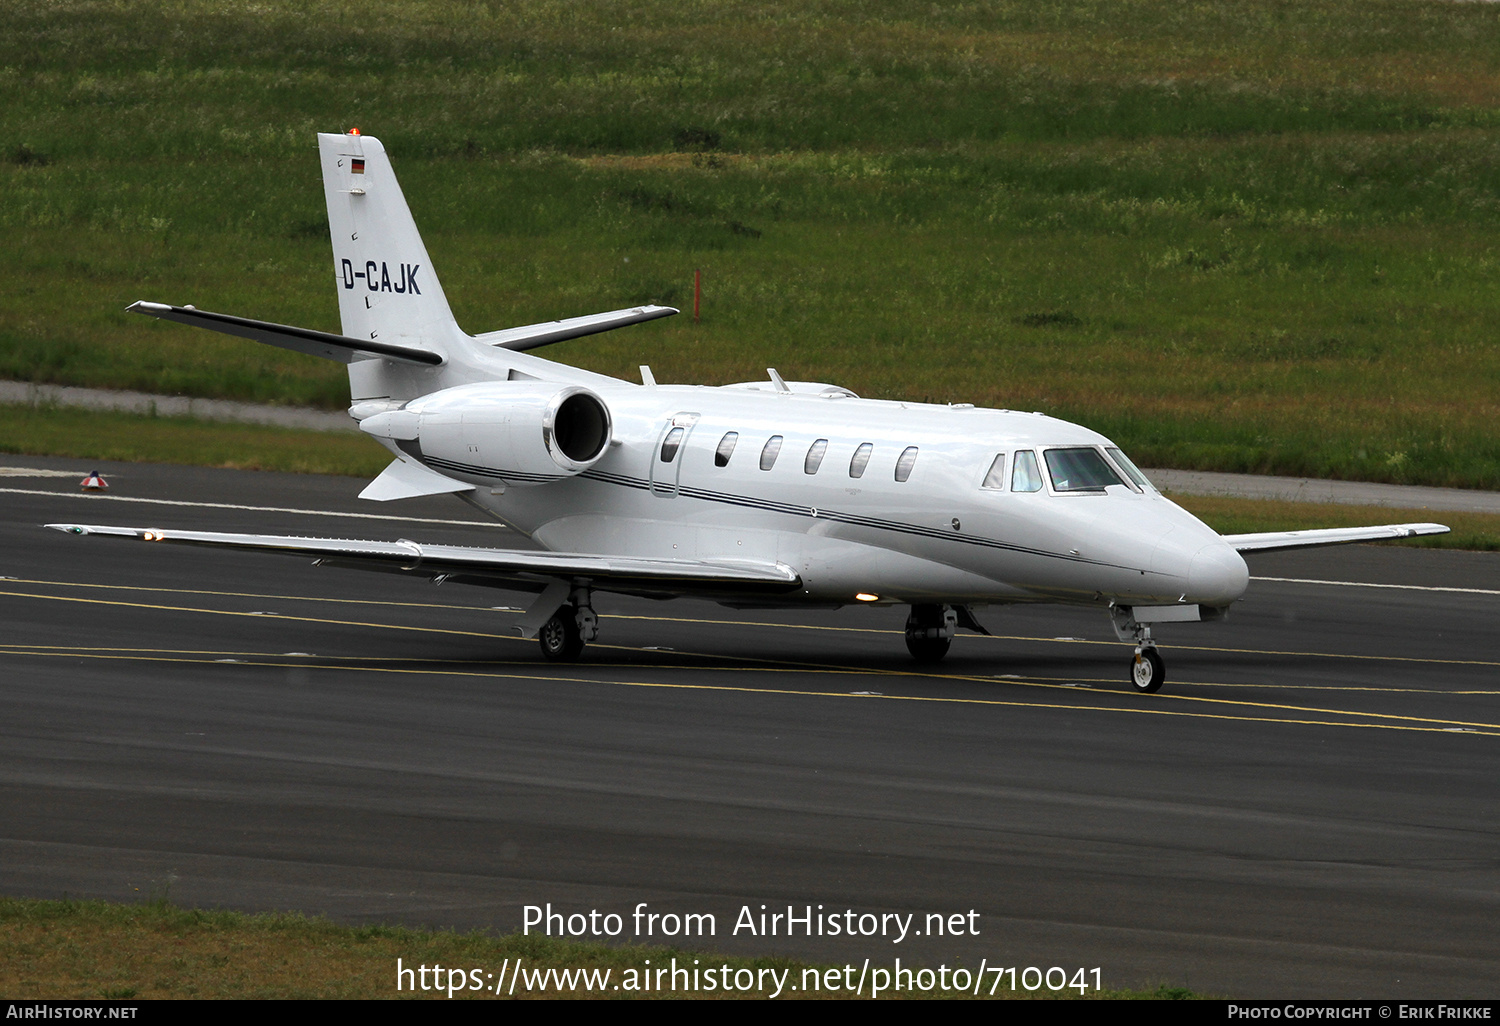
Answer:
x=387 y=288
x=398 y=335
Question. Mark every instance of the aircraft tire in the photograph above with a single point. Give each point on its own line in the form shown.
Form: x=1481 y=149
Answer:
x=559 y=637
x=927 y=650
x=1147 y=671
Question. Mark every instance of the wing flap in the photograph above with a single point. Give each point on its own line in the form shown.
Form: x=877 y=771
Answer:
x=303 y=340
x=672 y=576
x=1275 y=541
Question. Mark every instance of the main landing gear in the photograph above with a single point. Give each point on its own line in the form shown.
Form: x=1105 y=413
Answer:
x=570 y=628
x=1147 y=671
x=929 y=632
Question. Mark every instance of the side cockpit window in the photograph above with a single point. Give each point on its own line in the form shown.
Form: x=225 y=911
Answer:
x=996 y=477
x=1026 y=476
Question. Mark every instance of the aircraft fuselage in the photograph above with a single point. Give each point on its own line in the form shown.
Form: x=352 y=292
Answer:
x=836 y=504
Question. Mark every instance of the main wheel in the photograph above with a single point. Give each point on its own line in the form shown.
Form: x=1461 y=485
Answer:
x=559 y=637
x=926 y=650
x=1147 y=672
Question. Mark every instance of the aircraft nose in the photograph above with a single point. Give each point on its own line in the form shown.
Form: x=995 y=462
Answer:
x=1217 y=576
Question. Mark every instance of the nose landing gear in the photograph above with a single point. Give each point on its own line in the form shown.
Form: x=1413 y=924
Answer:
x=1147 y=671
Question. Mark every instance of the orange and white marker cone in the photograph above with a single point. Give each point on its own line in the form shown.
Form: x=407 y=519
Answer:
x=94 y=483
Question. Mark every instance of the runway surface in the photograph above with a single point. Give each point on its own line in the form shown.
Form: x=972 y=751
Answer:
x=1308 y=809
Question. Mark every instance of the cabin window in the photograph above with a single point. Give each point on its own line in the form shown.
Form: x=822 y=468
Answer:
x=815 y=456
x=861 y=460
x=905 y=464
x=770 y=452
x=670 y=443
x=996 y=477
x=1080 y=470
x=1131 y=470
x=1026 y=476
x=725 y=449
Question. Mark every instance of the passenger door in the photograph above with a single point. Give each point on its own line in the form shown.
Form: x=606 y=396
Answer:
x=666 y=455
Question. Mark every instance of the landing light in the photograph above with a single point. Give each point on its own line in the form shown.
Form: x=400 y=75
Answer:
x=865 y=596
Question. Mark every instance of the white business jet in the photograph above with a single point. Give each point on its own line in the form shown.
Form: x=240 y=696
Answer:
x=773 y=493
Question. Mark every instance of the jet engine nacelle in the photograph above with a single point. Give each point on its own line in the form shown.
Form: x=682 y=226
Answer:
x=521 y=432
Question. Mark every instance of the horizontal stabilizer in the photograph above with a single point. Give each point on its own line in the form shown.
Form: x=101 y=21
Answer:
x=490 y=566
x=302 y=340
x=533 y=336
x=1275 y=541
x=407 y=480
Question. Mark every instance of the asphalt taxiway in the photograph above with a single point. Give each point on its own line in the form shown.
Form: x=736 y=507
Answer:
x=1309 y=809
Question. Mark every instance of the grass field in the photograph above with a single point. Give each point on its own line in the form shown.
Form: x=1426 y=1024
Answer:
x=92 y=949
x=1254 y=235
x=96 y=435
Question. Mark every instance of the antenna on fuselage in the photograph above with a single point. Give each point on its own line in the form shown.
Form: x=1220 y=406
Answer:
x=781 y=386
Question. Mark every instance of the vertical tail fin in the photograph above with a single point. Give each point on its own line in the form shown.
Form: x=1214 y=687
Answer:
x=387 y=288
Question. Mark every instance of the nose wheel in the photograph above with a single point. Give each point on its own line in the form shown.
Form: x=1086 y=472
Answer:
x=1147 y=672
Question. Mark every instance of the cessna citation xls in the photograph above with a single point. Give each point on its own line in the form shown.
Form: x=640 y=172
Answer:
x=771 y=493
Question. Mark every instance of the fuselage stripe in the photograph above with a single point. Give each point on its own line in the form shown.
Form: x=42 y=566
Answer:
x=854 y=520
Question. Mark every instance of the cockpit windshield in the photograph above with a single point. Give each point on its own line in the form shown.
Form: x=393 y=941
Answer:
x=1080 y=470
x=1131 y=470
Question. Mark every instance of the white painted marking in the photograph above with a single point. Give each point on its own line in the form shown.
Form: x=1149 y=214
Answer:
x=30 y=472
x=254 y=509
x=875 y=693
x=1363 y=584
x=1069 y=639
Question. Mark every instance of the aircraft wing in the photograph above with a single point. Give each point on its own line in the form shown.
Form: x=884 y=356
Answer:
x=303 y=340
x=490 y=566
x=1275 y=541
x=533 y=336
